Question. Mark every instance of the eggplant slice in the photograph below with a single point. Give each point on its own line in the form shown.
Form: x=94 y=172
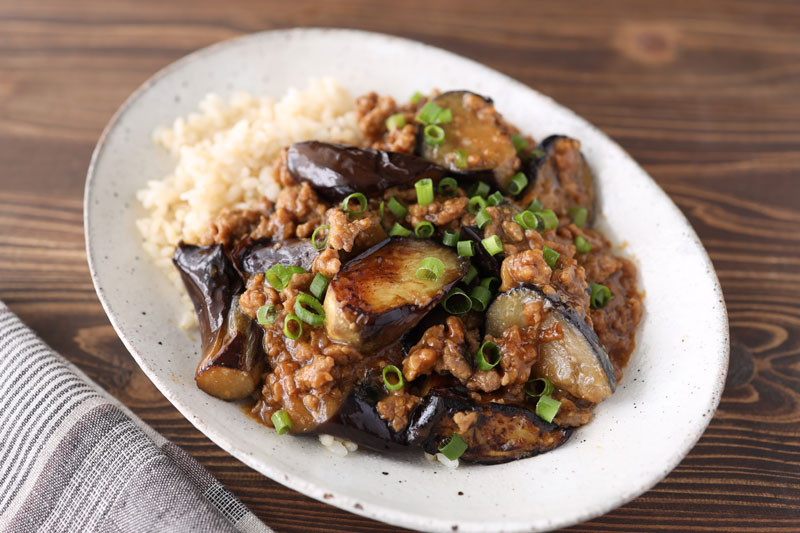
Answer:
x=477 y=130
x=377 y=296
x=256 y=257
x=576 y=363
x=497 y=433
x=336 y=170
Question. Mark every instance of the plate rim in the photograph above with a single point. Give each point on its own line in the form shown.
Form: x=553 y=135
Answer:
x=343 y=501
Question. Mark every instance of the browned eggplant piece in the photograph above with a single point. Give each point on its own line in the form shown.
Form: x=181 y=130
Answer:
x=336 y=170
x=377 y=296
x=495 y=433
x=477 y=130
x=256 y=257
x=577 y=363
x=486 y=263
x=560 y=177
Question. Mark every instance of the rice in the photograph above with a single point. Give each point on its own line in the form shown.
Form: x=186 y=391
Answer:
x=225 y=154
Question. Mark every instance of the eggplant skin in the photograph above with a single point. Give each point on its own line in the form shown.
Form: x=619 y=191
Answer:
x=256 y=257
x=500 y=432
x=336 y=170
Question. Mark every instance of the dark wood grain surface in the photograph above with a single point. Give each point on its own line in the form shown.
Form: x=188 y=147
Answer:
x=704 y=94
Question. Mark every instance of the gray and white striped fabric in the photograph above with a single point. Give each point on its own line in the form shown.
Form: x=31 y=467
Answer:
x=74 y=459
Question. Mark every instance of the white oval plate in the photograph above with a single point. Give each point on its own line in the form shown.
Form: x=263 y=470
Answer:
x=671 y=387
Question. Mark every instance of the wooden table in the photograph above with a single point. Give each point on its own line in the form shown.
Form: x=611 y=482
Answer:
x=705 y=95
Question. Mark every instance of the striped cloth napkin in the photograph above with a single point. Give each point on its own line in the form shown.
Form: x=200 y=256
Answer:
x=74 y=459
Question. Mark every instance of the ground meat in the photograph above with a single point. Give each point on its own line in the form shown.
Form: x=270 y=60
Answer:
x=396 y=407
x=315 y=374
x=438 y=212
x=570 y=414
x=327 y=263
x=230 y=225
x=519 y=354
x=464 y=421
x=439 y=351
x=525 y=267
x=485 y=380
x=256 y=295
x=342 y=232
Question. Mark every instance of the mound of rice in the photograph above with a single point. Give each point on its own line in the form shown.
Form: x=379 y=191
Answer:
x=225 y=154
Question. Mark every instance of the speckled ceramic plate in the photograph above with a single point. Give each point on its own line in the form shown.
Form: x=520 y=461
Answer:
x=672 y=384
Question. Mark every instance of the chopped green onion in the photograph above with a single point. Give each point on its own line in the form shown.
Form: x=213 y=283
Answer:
x=465 y=248
x=496 y=198
x=480 y=298
x=295 y=269
x=280 y=419
x=450 y=238
x=308 y=316
x=448 y=187
x=547 y=219
x=424 y=229
x=358 y=197
x=399 y=231
x=475 y=204
x=318 y=286
x=453 y=448
x=381 y=207
x=472 y=273
x=547 y=408
x=397 y=209
x=550 y=256
x=492 y=283
x=460 y=157
x=493 y=244
x=547 y=387
x=526 y=219
x=535 y=205
x=457 y=302
x=488 y=351
x=266 y=315
x=517 y=183
x=287 y=327
x=582 y=245
x=434 y=135
x=416 y=97
x=430 y=268
x=601 y=295
x=433 y=114
x=396 y=121
x=482 y=218
x=391 y=369
x=578 y=215
x=319 y=245
x=278 y=277
x=424 y=189
x=479 y=189
x=538 y=153
x=520 y=143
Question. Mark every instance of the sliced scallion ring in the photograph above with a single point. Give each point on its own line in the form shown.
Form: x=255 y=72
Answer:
x=266 y=315
x=399 y=231
x=535 y=205
x=320 y=245
x=433 y=114
x=278 y=277
x=488 y=355
x=447 y=187
x=480 y=298
x=534 y=384
x=472 y=273
x=355 y=197
x=547 y=408
x=550 y=256
x=582 y=245
x=318 y=286
x=496 y=198
x=416 y=97
x=424 y=189
x=398 y=381
x=430 y=268
x=476 y=203
x=280 y=419
x=309 y=310
x=450 y=238
x=454 y=447
x=434 y=135
x=424 y=230
x=397 y=209
x=295 y=269
x=547 y=219
x=460 y=158
x=520 y=143
x=479 y=188
x=482 y=218
x=287 y=326
x=493 y=244
x=396 y=121
x=517 y=183
x=465 y=248
x=578 y=215
x=526 y=219
x=457 y=302
x=492 y=283
x=601 y=295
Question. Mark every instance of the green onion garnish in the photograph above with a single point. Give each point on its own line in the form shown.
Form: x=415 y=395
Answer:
x=550 y=256
x=547 y=408
x=358 y=197
x=520 y=143
x=535 y=205
x=582 y=245
x=479 y=189
x=423 y=230
x=287 y=327
x=433 y=114
x=496 y=198
x=480 y=298
x=396 y=121
x=266 y=315
x=482 y=218
x=533 y=384
x=430 y=268
x=526 y=219
x=450 y=238
x=517 y=183
x=476 y=203
x=280 y=419
x=465 y=248
x=453 y=448
x=547 y=219
x=399 y=231
x=472 y=273
x=538 y=153
x=391 y=369
x=601 y=295
x=457 y=302
x=448 y=187
x=578 y=215
x=489 y=351
x=295 y=269
x=318 y=286
x=493 y=244
x=381 y=208
x=278 y=277
x=460 y=157
x=397 y=209
x=492 y=283
x=313 y=318
x=416 y=97
x=434 y=135
x=320 y=245
x=424 y=189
